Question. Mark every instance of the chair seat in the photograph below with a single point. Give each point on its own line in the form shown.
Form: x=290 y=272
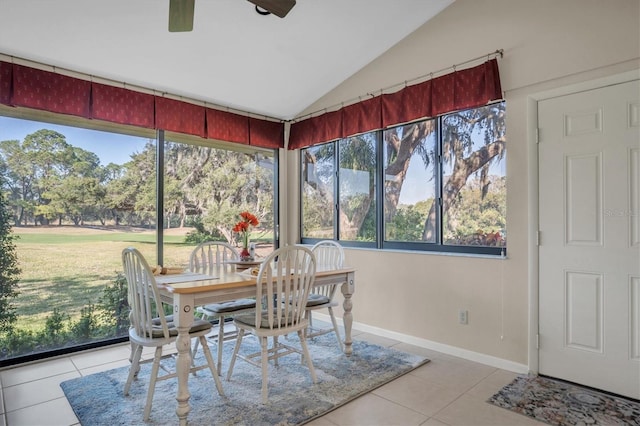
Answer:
x=250 y=321
x=232 y=306
x=198 y=325
x=317 y=299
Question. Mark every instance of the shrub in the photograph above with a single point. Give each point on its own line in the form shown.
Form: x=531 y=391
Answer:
x=9 y=271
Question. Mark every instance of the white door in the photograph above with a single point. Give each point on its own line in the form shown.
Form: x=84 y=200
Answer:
x=589 y=248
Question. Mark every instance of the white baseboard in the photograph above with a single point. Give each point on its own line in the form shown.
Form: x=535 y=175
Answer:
x=434 y=346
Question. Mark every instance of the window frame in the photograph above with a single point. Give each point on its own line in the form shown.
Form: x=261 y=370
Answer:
x=159 y=136
x=437 y=247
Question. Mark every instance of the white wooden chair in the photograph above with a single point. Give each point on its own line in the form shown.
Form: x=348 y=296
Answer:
x=329 y=255
x=151 y=328
x=288 y=275
x=208 y=255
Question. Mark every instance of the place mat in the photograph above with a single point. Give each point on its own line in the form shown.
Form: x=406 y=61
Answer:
x=183 y=278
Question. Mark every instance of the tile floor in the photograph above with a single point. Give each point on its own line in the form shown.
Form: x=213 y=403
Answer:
x=445 y=391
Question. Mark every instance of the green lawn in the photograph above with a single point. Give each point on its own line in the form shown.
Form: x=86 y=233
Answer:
x=68 y=267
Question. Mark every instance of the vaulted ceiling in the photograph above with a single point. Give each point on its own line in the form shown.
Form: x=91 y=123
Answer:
x=234 y=57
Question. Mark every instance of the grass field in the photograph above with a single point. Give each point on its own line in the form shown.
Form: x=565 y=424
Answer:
x=67 y=267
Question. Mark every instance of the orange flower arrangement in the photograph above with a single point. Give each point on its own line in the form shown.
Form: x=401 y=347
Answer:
x=243 y=227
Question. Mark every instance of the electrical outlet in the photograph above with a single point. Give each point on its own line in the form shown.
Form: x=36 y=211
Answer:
x=463 y=316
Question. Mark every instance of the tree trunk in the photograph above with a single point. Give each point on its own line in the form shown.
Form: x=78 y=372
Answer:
x=462 y=169
x=349 y=227
x=404 y=150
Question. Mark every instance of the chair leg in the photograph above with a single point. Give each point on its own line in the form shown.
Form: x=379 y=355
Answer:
x=307 y=356
x=220 y=341
x=133 y=350
x=194 y=351
x=275 y=348
x=335 y=328
x=265 y=364
x=235 y=353
x=212 y=367
x=152 y=382
x=134 y=368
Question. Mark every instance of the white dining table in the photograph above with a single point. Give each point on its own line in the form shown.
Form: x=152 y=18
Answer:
x=222 y=284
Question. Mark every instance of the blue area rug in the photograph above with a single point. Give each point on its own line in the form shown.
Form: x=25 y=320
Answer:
x=560 y=403
x=294 y=399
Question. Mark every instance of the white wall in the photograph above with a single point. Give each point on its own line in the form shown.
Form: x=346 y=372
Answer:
x=547 y=44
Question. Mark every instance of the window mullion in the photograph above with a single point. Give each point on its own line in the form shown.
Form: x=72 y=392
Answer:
x=160 y=196
x=336 y=190
x=380 y=181
x=439 y=183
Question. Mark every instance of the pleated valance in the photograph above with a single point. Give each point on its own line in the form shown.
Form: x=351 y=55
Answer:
x=23 y=86
x=459 y=90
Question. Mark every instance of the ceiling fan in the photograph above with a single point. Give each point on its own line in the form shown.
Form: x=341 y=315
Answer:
x=181 y=11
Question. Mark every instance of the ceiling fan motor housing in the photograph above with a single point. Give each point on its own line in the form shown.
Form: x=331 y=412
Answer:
x=280 y=8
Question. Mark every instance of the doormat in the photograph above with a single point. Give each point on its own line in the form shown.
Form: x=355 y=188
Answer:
x=294 y=399
x=560 y=403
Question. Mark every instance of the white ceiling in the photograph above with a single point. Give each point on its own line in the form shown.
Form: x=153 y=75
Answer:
x=233 y=57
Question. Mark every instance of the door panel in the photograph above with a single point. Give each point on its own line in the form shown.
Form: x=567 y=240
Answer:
x=583 y=200
x=589 y=254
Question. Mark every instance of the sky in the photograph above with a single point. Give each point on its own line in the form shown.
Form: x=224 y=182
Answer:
x=109 y=147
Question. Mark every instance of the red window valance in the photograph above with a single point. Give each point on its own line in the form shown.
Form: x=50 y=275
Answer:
x=409 y=104
x=266 y=134
x=227 y=126
x=119 y=105
x=38 y=89
x=324 y=127
x=6 y=78
x=178 y=116
x=469 y=88
x=34 y=88
x=362 y=117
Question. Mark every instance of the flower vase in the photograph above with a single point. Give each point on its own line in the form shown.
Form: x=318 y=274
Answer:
x=245 y=256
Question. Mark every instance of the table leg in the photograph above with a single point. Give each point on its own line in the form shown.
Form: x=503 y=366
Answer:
x=183 y=317
x=348 y=288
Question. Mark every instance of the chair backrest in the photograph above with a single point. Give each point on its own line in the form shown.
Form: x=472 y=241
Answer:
x=211 y=253
x=288 y=274
x=329 y=255
x=146 y=316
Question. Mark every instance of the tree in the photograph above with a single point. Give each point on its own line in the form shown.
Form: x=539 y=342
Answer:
x=472 y=141
x=318 y=201
x=357 y=155
x=400 y=144
x=35 y=167
x=213 y=186
x=19 y=178
x=9 y=271
x=459 y=130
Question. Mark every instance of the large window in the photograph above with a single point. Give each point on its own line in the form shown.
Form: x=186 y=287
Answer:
x=76 y=197
x=206 y=188
x=443 y=185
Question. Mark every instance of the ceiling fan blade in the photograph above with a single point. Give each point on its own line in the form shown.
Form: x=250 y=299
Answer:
x=279 y=8
x=181 y=15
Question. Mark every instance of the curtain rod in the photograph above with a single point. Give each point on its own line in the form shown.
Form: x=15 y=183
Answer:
x=134 y=87
x=495 y=54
